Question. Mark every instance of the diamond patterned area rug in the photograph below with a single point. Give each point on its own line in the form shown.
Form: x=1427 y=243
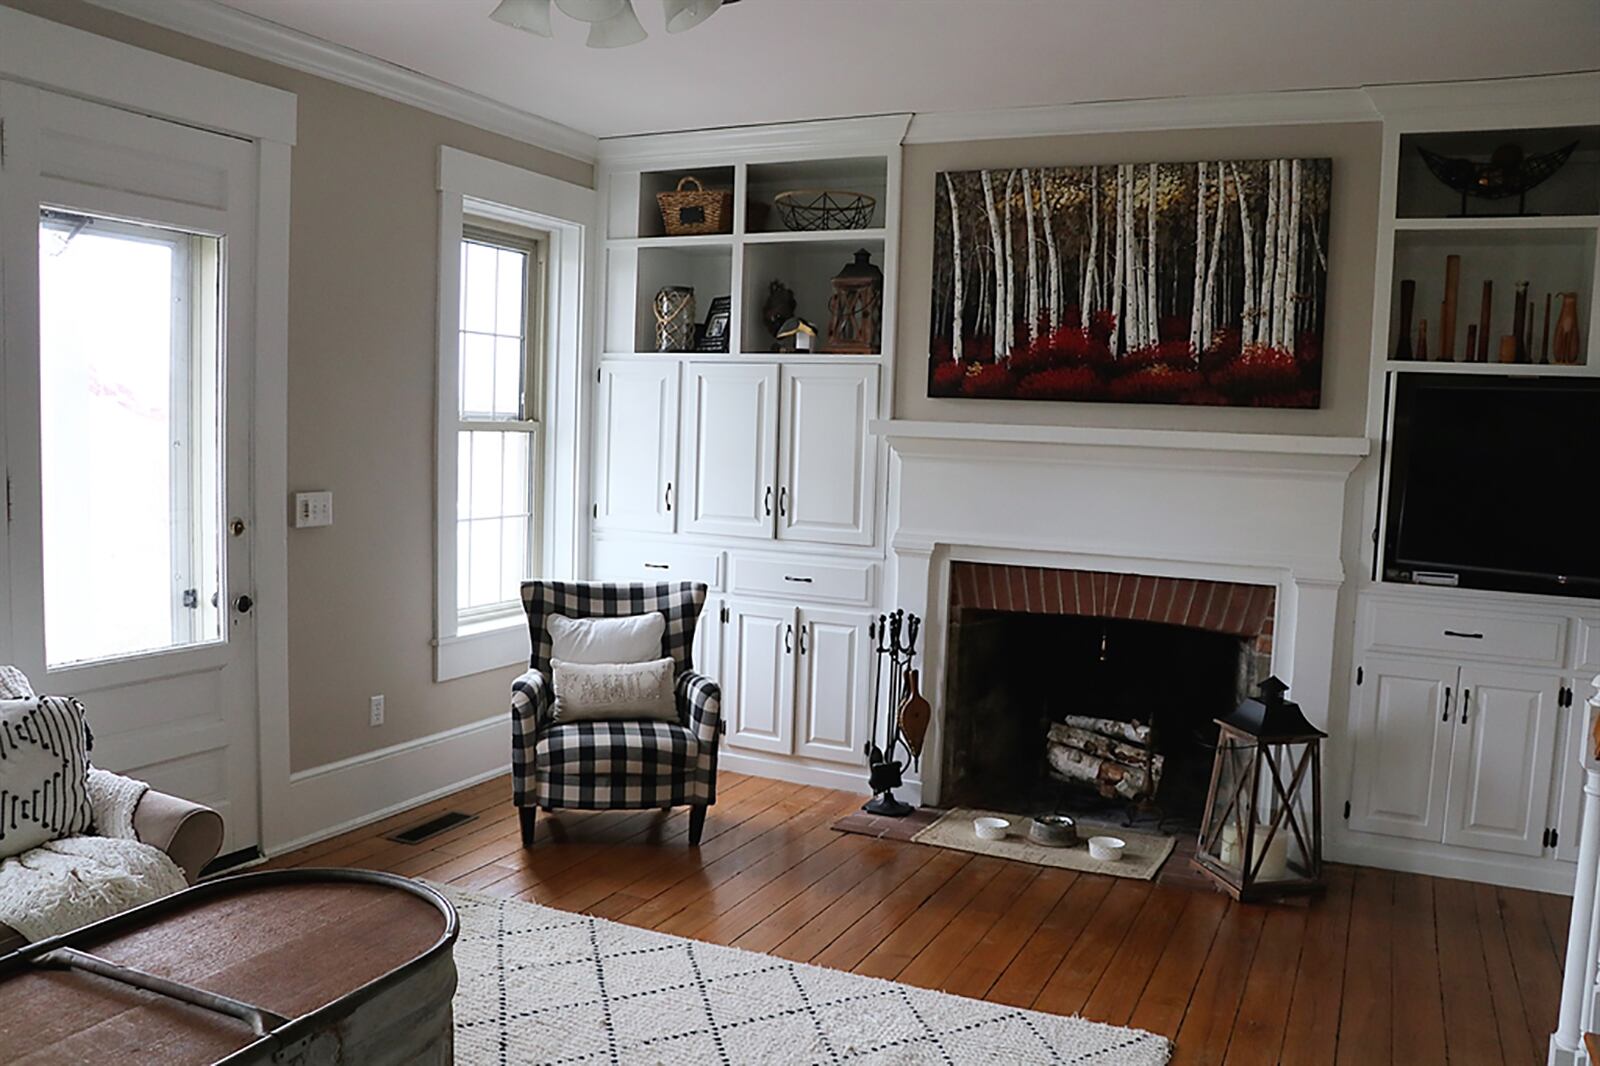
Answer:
x=539 y=985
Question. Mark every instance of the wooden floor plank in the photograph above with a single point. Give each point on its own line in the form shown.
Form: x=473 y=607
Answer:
x=1382 y=968
x=1472 y=1035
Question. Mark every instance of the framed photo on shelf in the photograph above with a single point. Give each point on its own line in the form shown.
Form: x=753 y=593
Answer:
x=714 y=333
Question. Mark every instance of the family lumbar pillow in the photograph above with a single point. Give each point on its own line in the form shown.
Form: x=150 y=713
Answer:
x=591 y=691
x=633 y=639
x=44 y=768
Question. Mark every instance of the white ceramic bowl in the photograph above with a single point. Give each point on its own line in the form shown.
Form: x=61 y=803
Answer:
x=1106 y=849
x=990 y=828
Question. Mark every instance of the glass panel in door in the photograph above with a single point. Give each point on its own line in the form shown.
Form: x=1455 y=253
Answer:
x=130 y=437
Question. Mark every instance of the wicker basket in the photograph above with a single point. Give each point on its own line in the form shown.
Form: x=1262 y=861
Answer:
x=686 y=212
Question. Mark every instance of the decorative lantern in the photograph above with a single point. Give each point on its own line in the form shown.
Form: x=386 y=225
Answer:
x=855 y=312
x=1262 y=832
x=674 y=308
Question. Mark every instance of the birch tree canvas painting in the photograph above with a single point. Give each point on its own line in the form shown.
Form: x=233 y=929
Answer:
x=1193 y=283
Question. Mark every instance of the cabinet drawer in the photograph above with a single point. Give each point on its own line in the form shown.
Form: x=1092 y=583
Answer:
x=1477 y=634
x=656 y=561
x=800 y=578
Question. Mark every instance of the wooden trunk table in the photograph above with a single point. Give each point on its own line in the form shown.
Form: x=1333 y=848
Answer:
x=301 y=967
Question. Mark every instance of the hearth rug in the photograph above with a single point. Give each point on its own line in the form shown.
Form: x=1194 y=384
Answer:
x=1143 y=857
x=544 y=986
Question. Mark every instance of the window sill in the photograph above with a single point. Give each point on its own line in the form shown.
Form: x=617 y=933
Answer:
x=480 y=648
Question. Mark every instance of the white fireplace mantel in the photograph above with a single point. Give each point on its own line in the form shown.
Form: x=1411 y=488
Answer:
x=1251 y=508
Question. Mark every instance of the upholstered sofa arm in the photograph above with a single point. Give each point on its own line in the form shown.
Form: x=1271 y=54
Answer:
x=700 y=703
x=532 y=702
x=188 y=832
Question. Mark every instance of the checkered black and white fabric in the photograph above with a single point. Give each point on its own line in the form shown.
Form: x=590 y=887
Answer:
x=614 y=765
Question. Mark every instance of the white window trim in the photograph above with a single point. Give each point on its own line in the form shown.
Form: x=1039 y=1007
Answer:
x=471 y=186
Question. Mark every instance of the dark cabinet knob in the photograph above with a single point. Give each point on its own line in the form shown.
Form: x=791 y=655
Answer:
x=243 y=604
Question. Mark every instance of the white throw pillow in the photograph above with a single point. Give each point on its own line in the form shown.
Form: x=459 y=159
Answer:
x=44 y=769
x=591 y=691
x=634 y=639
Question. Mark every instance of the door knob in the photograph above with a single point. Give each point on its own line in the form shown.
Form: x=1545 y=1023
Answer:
x=236 y=527
x=243 y=604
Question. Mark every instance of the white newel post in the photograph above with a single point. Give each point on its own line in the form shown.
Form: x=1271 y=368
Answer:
x=1581 y=981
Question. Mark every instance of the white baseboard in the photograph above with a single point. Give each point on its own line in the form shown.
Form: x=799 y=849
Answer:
x=1541 y=875
x=336 y=797
x=793 y=770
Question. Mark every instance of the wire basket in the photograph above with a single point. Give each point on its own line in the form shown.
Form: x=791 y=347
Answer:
x=825 y=209
x=686 y=212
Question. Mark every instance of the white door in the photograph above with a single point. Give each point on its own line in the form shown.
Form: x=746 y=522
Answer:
x=1567 y=803
x=636 y=445
x=1404 y=721
x=708 y=638
x=834 y=657
x=127 y=250
x=826 y=493
x=758 y=678
x=730 y=438
x=1502 y=756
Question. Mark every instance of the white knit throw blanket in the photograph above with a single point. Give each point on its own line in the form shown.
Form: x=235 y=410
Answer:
x=64 y=884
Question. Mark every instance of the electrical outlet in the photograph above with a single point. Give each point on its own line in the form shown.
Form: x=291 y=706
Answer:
x=375 y=711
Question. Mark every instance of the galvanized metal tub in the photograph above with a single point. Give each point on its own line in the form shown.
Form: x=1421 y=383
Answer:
x=301 y=967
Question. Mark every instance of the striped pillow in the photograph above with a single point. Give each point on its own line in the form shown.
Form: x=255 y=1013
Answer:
x=44 y=766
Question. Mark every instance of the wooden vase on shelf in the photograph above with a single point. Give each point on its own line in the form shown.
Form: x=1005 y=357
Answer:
x=1472 y=342
x=1422 y=340
x=1408 y=299
x=1508 y=349
x=1447 y=311
x=1519 y=323
x=1484 y=310
x=1564 y=345
x=1544 y=342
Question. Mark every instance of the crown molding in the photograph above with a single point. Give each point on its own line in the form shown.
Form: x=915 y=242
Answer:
x=210 y=21
x=1543 y=100
x=1127 y=116
x=784 y=140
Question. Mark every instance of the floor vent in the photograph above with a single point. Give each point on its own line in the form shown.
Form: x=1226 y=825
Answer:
x=432 y=827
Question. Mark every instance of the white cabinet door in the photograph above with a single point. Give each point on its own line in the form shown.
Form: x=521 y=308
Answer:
x=730 y=435
x=826 y=493
x=758 y=678
x=1502 y=756
x=1566 y=806
x=834 y=657
x=636 y=445
x=1404 y=720
x=708 y=639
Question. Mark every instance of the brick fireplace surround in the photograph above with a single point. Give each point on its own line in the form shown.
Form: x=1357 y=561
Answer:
x=1218 y=606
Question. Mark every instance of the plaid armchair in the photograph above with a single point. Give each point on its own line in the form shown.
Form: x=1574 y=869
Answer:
x=614 y=765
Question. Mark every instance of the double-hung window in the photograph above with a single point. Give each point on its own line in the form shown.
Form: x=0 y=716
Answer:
x=498 y=434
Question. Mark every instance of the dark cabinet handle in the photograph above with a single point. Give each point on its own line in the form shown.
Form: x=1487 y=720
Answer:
x=766 y=502
x=658 y=566
x=669 y=496
x=1446 y=717
x=1466 y=701
x=797 y=580
x=1463 y=636
x=803 y=638
x=783 y=500
x=788 y=639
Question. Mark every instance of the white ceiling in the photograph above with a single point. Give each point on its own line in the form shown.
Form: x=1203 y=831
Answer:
x=778 y=60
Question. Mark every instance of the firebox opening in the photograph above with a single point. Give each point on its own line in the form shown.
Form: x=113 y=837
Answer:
x=1015 y=675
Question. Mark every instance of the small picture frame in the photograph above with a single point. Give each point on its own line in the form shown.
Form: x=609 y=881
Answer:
x=714 y=333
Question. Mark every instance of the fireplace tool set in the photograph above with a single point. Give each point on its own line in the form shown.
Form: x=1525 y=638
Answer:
x=906 y=713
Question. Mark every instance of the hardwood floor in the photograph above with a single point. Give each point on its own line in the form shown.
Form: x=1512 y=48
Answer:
x=1386 y=968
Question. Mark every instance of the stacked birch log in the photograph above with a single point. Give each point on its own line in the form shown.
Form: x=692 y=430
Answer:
x=1115 y=758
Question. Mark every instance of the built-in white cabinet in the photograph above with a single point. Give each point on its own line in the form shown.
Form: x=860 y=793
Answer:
x=1502 y=759
x=636 y=445
x=825 y=493
x=778 y=452
x=730 y=449
x=1458 y=754
x=709 y=638
x=1404 y=716
x=795 y=680
x=758 y=676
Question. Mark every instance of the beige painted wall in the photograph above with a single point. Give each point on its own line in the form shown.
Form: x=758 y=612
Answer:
x=363 y=248
x=1356 y=151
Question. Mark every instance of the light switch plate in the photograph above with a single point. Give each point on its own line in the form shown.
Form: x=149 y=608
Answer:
x=313 y=509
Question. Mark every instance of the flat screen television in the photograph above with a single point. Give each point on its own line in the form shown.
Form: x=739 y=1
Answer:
x=1494 y=483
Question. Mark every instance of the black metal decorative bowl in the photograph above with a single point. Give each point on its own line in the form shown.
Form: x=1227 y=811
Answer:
x=1507 y=173
x=825 y=209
